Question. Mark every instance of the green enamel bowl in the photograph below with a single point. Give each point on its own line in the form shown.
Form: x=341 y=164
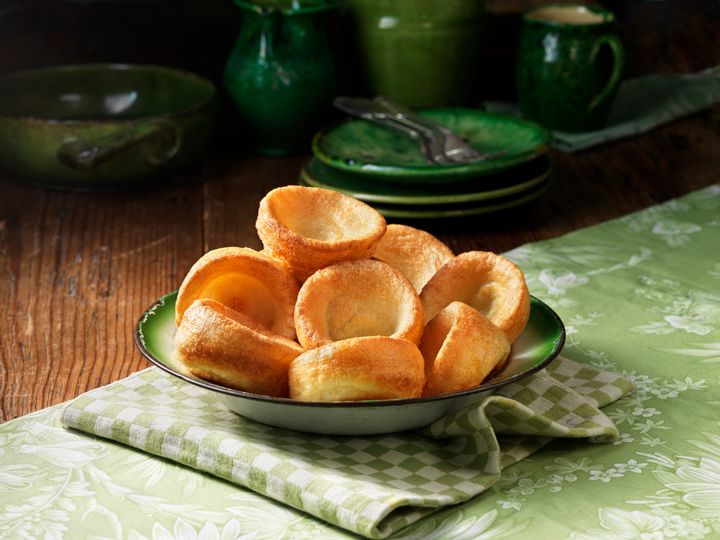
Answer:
x=537 y=346
x=370 y=150
x=99 y=126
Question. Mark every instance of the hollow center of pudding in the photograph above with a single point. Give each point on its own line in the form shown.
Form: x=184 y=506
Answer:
x=354 y=313
x=324 y=218
x=244 y=294
x=484 y=299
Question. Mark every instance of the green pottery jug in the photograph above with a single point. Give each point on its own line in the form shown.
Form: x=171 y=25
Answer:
x=422 y=53
x=281 y=75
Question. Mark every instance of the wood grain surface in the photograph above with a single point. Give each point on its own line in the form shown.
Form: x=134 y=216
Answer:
x=77 y=270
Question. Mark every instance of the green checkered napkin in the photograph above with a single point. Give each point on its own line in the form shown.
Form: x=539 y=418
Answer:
x=374 y=485
x=641 y=104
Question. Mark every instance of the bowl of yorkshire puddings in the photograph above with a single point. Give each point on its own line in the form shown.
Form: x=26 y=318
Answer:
x=345 y=325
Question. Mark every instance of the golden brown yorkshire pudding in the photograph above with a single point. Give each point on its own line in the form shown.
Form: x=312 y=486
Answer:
x=460 y=347
x=221 y=345
x=417 y=254
x=358 y=369
x=247 y=282
x=355 y=299
x=488 y=282
x=310 y=228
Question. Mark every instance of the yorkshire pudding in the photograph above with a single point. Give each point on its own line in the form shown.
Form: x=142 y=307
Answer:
x=354 y=299
x=488 y=282
x=310 y=228
x=358 y=369
x=245 y=281
x=221 y=345
x=460 y=347
x=417 y=254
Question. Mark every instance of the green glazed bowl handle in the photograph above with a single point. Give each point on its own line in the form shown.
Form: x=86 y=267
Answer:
x=83 y=154
x=612 y=41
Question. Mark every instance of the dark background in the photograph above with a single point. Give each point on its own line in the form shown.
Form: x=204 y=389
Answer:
x=198 y=35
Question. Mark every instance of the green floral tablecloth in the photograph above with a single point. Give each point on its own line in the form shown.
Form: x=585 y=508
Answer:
x=639 y=295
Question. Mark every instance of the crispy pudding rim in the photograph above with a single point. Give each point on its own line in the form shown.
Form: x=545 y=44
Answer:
x=163 y=303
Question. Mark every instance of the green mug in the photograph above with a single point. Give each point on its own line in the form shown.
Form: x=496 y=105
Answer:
x=569 y=66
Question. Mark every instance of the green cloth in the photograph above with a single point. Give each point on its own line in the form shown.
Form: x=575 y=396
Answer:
x=371 y=485
x=639 y=296
x=641 y=104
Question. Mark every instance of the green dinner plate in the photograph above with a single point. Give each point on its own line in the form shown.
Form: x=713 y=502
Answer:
x=537 y=346
x=461 y=210
x=444 y=211
x=518 y=179
x=363 y=148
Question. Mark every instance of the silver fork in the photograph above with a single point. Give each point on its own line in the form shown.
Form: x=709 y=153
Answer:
x=454 y=147
x=431 y=146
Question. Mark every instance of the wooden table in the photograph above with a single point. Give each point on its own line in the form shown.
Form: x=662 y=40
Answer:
x=76 y=270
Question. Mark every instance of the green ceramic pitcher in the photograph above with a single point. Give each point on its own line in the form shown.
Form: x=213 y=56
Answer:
x=281 y=75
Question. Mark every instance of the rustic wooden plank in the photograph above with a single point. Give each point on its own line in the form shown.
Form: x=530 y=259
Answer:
x=77 y=271
x=233 y=195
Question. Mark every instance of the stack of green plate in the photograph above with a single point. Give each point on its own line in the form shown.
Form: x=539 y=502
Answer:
x=385 y=169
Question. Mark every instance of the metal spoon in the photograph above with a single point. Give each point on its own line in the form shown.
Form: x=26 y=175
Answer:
x=430 y=146
x=454 y=147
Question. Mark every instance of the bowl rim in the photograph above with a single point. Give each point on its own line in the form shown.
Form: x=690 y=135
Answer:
x=207 y=385
x=111 y=66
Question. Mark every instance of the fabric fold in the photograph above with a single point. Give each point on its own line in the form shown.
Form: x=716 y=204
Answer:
x=373 y=485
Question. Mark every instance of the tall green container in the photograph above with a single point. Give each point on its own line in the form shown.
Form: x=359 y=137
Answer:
x=422 y=53
x=281 y=74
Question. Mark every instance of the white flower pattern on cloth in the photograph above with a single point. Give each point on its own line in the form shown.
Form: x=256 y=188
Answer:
x=182 y=530
x=691 y=483
x=678 y=308
x=557 y=284
x=644 y=221
x=708 y=352
x=619 y=524
x=675 y=233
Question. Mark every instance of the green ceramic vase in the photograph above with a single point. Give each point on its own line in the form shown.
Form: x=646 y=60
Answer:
x=281 y=75
x=421 y=53
x=569 y=66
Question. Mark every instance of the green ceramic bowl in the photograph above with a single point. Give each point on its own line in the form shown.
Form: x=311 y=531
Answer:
x=537 y=346
x=98 y=126
x=373 y=151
